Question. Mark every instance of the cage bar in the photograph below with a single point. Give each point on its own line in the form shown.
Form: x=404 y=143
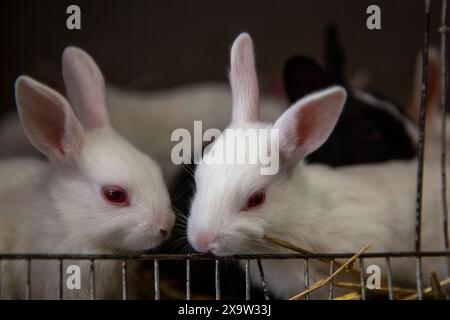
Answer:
x=443 y=106
x=362 y=279
x=247 y=280
x=389 y=278
x=306 y=275
x=1 y=280
x=156 y=280
x=420 y=165
x=92 y=280
x=217 y=280
x=207 y=257
x=28 y=283
x=263 y=280
x=331 y=284
x=419 y=278
x=124 y=280
x=188 y=279
x=61 y=287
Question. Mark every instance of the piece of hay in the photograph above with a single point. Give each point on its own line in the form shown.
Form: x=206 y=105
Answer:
x=290 y=246
x=322 y=282
x=428 y=290
x=287 y=245
x=382 y=290
x=349 y=296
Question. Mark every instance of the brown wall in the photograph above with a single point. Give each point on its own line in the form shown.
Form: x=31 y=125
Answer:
x=152 y=44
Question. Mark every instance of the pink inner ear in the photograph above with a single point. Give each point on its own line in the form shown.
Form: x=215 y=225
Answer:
x=50 y=123
x=308 y=125
x=55 y=137
x=314 y=124
x=304 y=127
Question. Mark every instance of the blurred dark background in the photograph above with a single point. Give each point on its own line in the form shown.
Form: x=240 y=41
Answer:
x=149 y=45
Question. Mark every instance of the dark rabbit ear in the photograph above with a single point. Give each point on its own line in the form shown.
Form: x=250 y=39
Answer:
x=334 y=57
x=302 y=76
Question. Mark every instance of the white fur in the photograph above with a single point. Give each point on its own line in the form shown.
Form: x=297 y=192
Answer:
x=147 y=120
x=321 y=209
x=243 y=80
x=58 y=207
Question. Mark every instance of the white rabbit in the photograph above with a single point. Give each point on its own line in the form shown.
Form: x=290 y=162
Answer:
x=316 y=207
x=97 y=195
x=133 y=115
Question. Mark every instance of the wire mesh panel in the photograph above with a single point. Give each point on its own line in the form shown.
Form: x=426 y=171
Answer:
x=358 y=287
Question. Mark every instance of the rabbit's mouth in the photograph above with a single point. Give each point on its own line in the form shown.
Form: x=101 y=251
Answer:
x=234 y=244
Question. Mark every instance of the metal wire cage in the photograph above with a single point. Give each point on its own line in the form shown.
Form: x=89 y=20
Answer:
x=390 y=291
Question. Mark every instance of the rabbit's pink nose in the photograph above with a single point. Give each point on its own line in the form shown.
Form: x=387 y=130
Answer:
x=203 y=241
x=165 y=224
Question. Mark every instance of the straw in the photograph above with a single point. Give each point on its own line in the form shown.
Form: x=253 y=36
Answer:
x=322 y=282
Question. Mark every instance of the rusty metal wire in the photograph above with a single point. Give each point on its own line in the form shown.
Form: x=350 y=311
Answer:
x=444 y=29
x=421 y=149
x=199 y=256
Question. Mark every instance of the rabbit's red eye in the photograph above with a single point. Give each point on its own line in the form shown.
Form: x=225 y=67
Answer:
x=115 y=195
x=255 y=200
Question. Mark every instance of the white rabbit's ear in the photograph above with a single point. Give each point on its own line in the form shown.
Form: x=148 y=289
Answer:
x=307 y=124
x=48 y=120
x=434 y=85
x=244 y=84
x=85 y=88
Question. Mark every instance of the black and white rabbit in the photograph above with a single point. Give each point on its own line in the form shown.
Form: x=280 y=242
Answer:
x=370 y=129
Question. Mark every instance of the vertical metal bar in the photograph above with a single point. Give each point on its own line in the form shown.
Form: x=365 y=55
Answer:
x=247 y=280
x=28 y=284
x=331 y=285
x=217 y=278
x=263 y=281
x=124 y=280
x=443 y=30
x=156 y=280
x=306 y=275
x=61 y=288
x=92 y=280
x=422 y=121
x=362 y=279
x=419 y=278
x=188 y=279
x=1 y=281
x=389 y=278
